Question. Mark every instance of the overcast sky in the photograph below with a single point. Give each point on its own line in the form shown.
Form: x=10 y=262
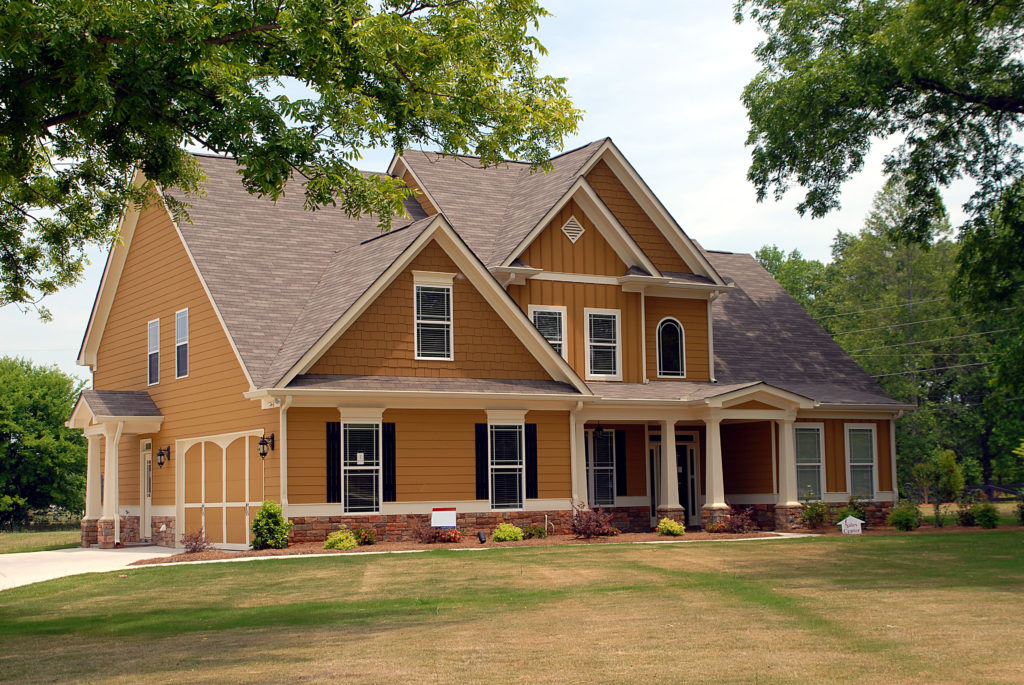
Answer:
x=665 y=85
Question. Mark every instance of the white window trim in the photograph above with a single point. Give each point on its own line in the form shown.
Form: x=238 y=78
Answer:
x=682 y=338
x=874 y=455
x=177 y=344
x=587 y=311
x=434 y=279
x=494 y=421
x=149 y=351
x=359 y=421
x=590 y=468
x=823 y=485
x=565 y=323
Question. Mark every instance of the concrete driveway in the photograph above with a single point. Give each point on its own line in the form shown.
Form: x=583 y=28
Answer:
x=32 y=567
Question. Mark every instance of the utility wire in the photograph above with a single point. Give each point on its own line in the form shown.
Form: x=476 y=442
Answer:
x=936 y=368
x=878 y=309
x=911 y=323
x=922 y=342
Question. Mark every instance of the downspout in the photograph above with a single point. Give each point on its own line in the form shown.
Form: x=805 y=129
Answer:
x=284 y=452
x=711 y=338
x=643 y=334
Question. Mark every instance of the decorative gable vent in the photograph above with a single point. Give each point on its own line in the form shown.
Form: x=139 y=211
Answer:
x=572 y=229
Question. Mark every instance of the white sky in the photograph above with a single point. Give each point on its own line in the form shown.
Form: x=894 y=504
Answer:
x=665 y=85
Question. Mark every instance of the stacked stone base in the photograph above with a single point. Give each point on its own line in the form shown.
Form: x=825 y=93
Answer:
x=789 y=518
x=130 y=529
x=105 y=533
x=163 y=531
x=708 y=516
x=89 y=532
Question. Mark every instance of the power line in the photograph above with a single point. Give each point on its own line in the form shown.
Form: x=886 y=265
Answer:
x=923 y=342
x=911 y=323
x=878 y=309
x=929 y=354
x=936 y=368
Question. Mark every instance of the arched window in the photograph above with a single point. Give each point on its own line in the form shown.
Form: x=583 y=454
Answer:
x=671 y=354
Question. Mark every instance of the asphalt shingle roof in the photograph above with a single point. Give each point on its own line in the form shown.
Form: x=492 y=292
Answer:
x=120 y=403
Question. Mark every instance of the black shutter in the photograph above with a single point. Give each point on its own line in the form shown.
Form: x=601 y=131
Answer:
x=390 y=484
x=531 y=461
x=334 y=461
x=620 y=463
x=482 y=489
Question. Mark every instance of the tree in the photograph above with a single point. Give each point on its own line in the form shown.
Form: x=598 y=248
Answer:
x=803 y=279
x=42 y=462
x=93 y=90
x=944 y=79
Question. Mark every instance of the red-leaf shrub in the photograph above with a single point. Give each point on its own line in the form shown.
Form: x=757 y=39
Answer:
x=590 y=523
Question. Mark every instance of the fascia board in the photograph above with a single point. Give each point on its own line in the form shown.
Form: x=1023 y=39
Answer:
x=400 y=163
x=763 y=389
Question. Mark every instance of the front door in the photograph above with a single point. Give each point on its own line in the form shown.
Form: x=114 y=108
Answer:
x=688 y=472
x=145 y=516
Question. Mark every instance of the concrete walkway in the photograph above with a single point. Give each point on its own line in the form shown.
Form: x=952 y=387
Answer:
x=32 y=567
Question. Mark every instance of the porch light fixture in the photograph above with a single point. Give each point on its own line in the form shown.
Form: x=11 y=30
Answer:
x=265 y=445
x=598 y=432
x=163 y=455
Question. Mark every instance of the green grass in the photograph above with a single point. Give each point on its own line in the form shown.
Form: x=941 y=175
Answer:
x=908 y=608
x=38 y=541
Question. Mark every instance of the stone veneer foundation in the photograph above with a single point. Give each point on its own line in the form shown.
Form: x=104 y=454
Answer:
x=163 y=531
x=770 y=517
x=89 y=532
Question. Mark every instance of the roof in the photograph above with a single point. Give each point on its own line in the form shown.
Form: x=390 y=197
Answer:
x=120 y=403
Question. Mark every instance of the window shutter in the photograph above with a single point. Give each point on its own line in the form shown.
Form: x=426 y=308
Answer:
x=620 y=463
x=334 y=461
x=390 y=482
x=482 y=491
x=531 y=461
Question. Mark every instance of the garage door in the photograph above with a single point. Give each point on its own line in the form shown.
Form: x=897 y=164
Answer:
x=223 y=489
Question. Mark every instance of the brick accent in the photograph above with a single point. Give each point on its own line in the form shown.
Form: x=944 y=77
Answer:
x=105 y=533
x=89 y=532
x=708 y=515
x=674 y=513
x=876 y=512
x=163 y=536
x=130 y=529
x=788 y=518
x=761 y=514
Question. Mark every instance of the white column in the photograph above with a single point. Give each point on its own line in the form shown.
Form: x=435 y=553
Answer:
x=669 y=470
x=714 y=479
x=283 y=432
x=92 y=478
x=112 y=437
x=579 y=461
x=788 y=495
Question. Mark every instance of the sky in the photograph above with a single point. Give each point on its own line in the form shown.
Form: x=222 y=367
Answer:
x=664 y=82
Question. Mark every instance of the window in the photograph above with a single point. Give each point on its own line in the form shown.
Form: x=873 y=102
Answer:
x=604 y=359
x=433 y=315
x=600 y=457
x=671 y=352
x=181 y=343
x=361 y=467
x=550 y=321
x=506 y=461
x=154 y=352
x=860 y=455
x=809 y=460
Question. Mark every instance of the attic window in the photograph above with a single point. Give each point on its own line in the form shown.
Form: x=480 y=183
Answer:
x=572 y=229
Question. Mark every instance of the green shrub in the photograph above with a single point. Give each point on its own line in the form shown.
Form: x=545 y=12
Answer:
x=854 y=507
x=904 y=516
x=364 y=536
x=534 y=531
x=965 y=509
x=667 y=526
x=816 y=514
x=1020 y=507
x=506 y=532
x=269 y=527
x=985 y=514
x=341 y=539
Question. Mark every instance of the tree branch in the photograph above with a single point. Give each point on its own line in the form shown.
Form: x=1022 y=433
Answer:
x=999 y=103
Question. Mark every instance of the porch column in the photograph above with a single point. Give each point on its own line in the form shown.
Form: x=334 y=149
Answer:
x=578 y=463
x=788 y=495
x=669 y=470
x=715 y=507
x=92 y=479
x=109 y=529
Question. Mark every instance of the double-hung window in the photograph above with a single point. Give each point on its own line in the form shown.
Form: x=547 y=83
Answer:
x=153 y=357
x=810 y=452
x=505 y=446
x=550 y=321
x=181 y=343
x=600 y=457
x=361 y=467
x=604 y=354
x=671 y=349
x=433 y=315
x=860 y=455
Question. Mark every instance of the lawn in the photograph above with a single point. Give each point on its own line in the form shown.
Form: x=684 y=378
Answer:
x=38 y=541
x=911 y=609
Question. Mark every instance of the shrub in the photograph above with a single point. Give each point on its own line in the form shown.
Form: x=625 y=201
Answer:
x=740 y=520
x=269 y=527
x=364 y=536
x=195 y=542
x=965 y=509
x=904 y=516
x=717 y=527
x=341 y=539
x=589 y=523
x=816 y=514
x=986 y=514
x=429 y=534
x=1020 y=506
x=667 y=526
x=854 y=507
x=534 y=531
x=506 y=532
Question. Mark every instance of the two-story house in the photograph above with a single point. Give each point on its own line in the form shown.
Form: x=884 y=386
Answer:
x=520 y=342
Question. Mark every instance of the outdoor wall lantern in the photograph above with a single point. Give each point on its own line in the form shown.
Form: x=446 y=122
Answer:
x=265 y=445
x=598 y=432
x=163 y=455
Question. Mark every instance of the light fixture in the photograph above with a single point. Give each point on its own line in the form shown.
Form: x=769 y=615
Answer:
x=598 y=432
x=163 y=455
x=265 y=445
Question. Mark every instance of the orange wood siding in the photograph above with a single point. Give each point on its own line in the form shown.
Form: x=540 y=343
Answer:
x=747 y=457
x=128 y=475
x=590 y=254
x=421 y=197
x=158 y=279
x=835 y=452
x=635 y=220
x=693 y=315
x=575 y=297
x=554 y=471
x=307 y=453
x=382 y=341
x=435 y=454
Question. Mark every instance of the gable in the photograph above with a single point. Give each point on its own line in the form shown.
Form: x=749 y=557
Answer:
x=552 y=250
x=421 y=195
x=381 y=340
x=633 y=218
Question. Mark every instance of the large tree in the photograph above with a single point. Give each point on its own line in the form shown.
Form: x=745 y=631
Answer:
x=42 y=462
x=93 y=90
x=943 y=80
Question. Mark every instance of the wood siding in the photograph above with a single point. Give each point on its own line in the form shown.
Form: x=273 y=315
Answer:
x=158 y=280
x=747 y=458
x=421 y=197
x=836 y=466
x=635 y=220
x=590 y=254
x=554 y=470
x=307 y=453
x=575 y=297
x=382 y=341
x=693 y=315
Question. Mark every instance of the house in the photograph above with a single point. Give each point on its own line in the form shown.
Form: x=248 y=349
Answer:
x=520 y=342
